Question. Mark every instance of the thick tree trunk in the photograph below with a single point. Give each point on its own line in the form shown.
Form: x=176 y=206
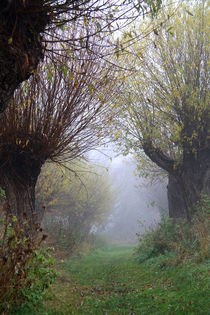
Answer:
x=176 y=203
x=19 y=178
x=189 y=178
x=21 y=200
x=185 y=191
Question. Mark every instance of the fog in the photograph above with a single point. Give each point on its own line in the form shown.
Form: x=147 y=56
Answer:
x=138 y=204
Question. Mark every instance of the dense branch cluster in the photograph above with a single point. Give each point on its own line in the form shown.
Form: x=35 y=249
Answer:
x=57 y=115
x=28 y=28
x=54 y=115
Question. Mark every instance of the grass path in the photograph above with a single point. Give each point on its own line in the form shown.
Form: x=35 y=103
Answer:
x=111 y=282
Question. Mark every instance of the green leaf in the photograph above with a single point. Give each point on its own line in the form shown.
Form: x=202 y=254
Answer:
x=65 y=70
x=10 y=40
x=14 y=219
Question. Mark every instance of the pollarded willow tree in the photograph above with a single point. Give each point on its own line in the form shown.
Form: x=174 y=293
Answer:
x=167 y=110
x=29 y=28
x=56 y=116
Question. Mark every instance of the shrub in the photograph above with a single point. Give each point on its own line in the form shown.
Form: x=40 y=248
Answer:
x=75 y=205
x=187 y=240
x=156 y=240
x=25 y=270
x=201 y=226
x=63 y=234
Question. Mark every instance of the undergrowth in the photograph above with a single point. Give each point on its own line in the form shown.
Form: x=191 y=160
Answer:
x=178 y=242
x=25 y=270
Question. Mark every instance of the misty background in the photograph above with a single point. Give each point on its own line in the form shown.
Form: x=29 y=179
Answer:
x=138 y=203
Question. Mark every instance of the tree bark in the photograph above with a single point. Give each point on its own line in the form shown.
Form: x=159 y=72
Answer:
x=21 y=199
x=18 y=179
x=188 y=179
x=176 y=203
x=21 y=47
x=186 y=190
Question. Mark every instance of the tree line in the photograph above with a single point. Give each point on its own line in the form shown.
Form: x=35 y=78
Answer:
x=72 y=100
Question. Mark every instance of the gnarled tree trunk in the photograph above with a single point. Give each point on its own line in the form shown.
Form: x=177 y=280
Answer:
x=176 y=203
x=188 y=179
x=21 y=200
x=20 y=44
x=18 y=179
x=186 y=190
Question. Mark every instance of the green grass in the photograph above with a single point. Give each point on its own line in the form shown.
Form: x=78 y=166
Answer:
x=111 y=282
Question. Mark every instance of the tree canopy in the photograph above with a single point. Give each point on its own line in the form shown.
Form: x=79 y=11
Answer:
x=167 y=101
